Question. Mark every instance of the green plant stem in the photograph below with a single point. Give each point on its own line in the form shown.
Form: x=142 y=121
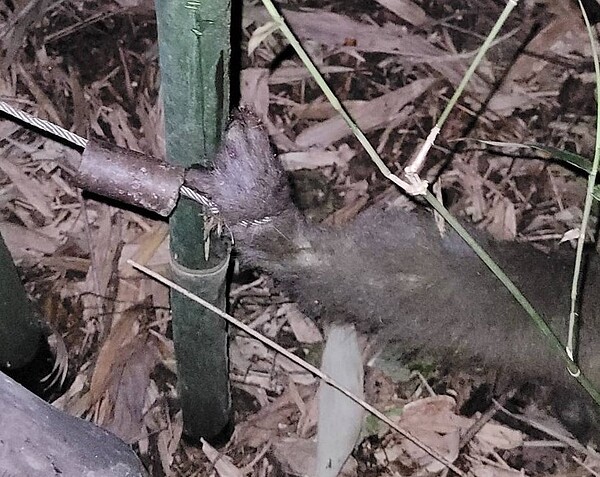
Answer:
x=510 y=5
x=573 y=322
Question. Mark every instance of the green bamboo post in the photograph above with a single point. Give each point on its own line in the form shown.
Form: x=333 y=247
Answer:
x=20 y=331
x=194 y=48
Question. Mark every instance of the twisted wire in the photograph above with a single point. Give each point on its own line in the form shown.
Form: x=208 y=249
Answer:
x=214 y=209
x=44 y=125
x=201 y=199
x=76 y=140
x=251 y=223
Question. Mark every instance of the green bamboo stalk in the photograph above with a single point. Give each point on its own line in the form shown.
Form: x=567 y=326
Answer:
x=571 y=348
x=194 y=48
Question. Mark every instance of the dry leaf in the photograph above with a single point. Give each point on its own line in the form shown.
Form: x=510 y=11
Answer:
x=304 y=328
x=222 y=463
x=297 y=456
x=371 y=115
x=333 y=29
x=30 y=189
x=315 y=158
x=255 y=90
x=23 y=242
x=405 y=9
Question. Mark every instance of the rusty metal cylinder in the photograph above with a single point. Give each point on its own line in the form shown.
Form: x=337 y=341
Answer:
x=130 y=177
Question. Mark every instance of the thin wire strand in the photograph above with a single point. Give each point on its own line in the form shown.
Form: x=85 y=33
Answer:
x=201 y=199
x=44 y=125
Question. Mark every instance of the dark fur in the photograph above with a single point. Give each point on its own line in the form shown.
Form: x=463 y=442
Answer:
x=391 y=274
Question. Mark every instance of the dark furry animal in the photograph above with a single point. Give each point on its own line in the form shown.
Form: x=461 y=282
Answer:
x=390 y=273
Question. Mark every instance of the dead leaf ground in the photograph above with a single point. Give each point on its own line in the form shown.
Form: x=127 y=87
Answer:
x=394 y=63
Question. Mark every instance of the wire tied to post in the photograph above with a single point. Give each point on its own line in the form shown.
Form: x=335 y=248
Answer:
x=126 y=196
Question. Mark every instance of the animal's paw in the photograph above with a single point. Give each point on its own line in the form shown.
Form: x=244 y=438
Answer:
x=247 y=181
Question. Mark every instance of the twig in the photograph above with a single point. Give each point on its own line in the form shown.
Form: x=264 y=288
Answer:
x=300 y=362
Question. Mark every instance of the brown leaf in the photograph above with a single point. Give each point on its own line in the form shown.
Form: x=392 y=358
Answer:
x=373 y=114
